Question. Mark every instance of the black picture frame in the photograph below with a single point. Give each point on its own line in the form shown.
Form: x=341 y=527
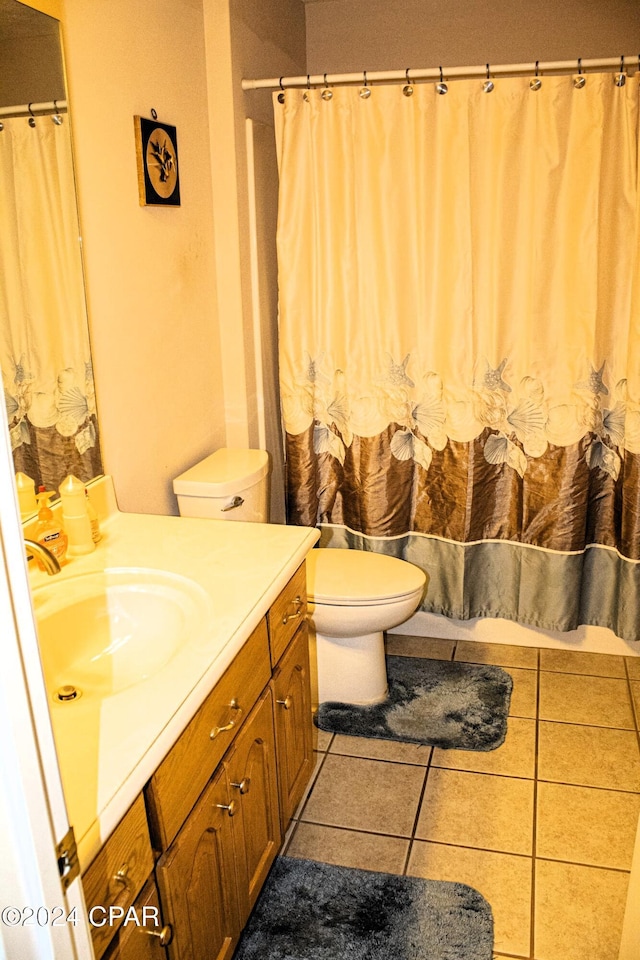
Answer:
x=157 y=160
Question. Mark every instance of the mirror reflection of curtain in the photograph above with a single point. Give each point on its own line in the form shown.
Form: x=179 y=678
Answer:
x=44 y=341
x=460 y=339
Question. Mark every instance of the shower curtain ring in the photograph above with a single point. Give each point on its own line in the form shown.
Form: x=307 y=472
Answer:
x=281 y=94
x=32 y=118
x=579 y=81
x=535 y=83
x=326 y=93
x=365 y=92
x=488 y=85
x=620 y=78
x=305 y=95
x=441 y=87
x=408 y=88
x=57 y=119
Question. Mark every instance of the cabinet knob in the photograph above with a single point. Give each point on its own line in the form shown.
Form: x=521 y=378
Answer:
x=243 y=786
x=229 y=725
x=298 y=604
x=165 y=936
x=229 y=807
x=287 y=703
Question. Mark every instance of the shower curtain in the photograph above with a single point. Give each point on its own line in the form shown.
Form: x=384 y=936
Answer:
x=460 y=338
x=44 y=340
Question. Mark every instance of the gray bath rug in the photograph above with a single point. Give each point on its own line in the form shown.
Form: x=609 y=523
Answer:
x=448 y=704
x=314 y=911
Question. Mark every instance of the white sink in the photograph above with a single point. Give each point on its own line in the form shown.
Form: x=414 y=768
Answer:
x=100 y=633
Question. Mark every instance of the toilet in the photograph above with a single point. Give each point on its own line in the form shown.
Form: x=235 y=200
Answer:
x=353 y=596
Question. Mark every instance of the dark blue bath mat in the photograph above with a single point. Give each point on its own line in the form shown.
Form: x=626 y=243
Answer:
x=448 y=704
x=314 y=911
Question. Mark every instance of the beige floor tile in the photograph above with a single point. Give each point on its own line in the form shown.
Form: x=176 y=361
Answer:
x=515 y=758
x=323 y=739
x=633 y=667
x=577 y=661
x=635 y=693
x=570 y=698
x=578 y=911
x=477 y=810
x=366 y=795
x=503 y=880
x=587 y=826
x=319 y=759
x=375 y=749
x=524 y=696
x=348 y=848
x=430 y=647
x=503 y=654
x=588 y=756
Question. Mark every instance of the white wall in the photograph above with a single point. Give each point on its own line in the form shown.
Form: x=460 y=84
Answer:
x=150 y=270
x=353 y=35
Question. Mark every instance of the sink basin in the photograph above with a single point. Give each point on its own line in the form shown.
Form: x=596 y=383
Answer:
x=101 y=633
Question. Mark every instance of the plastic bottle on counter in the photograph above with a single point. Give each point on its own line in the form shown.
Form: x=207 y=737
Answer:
x=26 y=488
x=48 y=531
x=75 y=516
x=94 y=520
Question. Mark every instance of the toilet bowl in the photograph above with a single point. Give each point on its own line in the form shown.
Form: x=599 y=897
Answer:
x=353 y=597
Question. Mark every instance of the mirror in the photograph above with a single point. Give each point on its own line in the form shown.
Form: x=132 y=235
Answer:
x=45 y=354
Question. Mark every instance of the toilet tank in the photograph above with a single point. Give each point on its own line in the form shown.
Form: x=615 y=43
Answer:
x=229 y=484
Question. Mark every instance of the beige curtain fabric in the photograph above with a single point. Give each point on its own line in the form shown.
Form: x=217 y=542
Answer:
x=459 y=325
x=44 y=341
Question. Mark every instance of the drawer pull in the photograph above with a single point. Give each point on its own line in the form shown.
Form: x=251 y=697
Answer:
x=229 y=807
x=228 y=726
x=122 y=875
x=286 y=703
x=243 y=786
x=298 y=604
x=165 y=936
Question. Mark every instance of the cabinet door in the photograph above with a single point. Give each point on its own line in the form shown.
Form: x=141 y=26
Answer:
x=197 y=879
x=292 y=711
x=253 y=785
x=147 y=941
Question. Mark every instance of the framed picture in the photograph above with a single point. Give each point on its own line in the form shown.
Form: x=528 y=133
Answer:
x=157 y=156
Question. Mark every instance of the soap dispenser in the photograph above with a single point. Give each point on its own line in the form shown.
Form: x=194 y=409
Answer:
x=75 y=516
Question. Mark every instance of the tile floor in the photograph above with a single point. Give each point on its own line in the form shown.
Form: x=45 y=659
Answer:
x=543 y=826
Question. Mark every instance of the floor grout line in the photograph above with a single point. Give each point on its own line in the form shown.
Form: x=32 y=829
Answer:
x=431 y=764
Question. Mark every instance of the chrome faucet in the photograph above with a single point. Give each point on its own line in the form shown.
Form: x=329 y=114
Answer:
x=49 y=562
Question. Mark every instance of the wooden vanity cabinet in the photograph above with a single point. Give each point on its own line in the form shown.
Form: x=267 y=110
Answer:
x=197 y=879
x=292 y=718
x=219 y=803
x=142 y=942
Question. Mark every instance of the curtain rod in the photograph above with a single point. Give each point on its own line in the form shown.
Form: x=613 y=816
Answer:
x=35 y=109
x=433 y=73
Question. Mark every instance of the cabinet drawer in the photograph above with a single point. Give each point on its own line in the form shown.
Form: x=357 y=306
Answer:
x=117 y=874
x=183 y=774
x=147 y=941
x=286 y=614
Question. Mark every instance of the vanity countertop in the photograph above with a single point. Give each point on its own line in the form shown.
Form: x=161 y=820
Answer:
x=108 y=748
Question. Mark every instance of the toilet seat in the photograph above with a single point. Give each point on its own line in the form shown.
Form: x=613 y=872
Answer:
x=353 y=578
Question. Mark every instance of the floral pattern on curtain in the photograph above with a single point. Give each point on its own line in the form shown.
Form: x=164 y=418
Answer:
x=460 y=339
x=44 y=342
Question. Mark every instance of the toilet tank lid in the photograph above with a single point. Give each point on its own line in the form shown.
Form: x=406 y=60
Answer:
x=335 y=575
x=223 y=473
